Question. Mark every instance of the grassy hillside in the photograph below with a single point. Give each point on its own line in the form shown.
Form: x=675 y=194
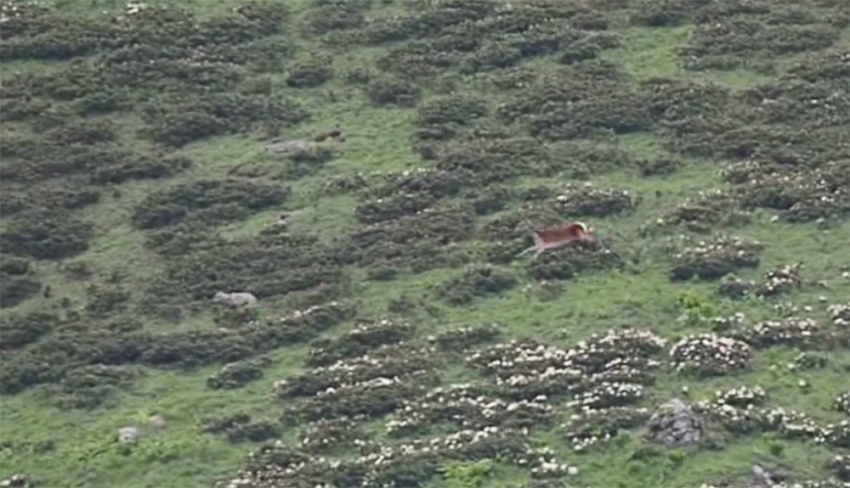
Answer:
x=369 y=170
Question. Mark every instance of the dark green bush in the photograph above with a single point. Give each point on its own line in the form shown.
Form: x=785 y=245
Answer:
x=17 y=331
x=240 y=428
x=170 y=206
x=46 y=234
x=392 y=91
x=275 y=263
x=81 y=132
x=326 y=16
x=16 y=289
x=89 y=387
x=139 y=168
x=310 y=72
x=474 y=282
x=238 y=374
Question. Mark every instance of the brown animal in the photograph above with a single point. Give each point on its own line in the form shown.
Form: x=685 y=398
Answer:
x=557 y=237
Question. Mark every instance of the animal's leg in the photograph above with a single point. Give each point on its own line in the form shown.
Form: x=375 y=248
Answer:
x=523 y=253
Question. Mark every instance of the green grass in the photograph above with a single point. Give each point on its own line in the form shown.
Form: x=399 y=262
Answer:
x=378 y=139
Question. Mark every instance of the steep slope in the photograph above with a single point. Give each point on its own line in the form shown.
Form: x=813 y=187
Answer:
x=369 y=170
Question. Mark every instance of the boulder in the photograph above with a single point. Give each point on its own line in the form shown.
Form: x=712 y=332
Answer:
x=674 y=424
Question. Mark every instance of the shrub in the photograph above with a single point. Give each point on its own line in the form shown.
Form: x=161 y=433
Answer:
x=16 y=289
x=388 y=90
x=475 y=281
x=170 y=206
x=310 y=72
x=17 y=331
x=238 y=374
x=45 y=234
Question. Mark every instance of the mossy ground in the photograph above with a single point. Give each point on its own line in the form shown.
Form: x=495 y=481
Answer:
x=379 y=139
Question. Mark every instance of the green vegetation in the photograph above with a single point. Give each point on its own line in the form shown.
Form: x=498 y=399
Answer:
x=369 y=170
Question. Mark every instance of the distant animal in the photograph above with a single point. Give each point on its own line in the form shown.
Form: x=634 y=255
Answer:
x=335 y=135
x=283 y=220
x=235 y=299
x=557 y=237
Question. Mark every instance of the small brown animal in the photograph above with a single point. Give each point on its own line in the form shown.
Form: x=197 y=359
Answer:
x=557 y=237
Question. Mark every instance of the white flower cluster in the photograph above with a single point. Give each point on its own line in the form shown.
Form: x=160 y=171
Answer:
x=734 y=320
x=842 y=402
x=133 y=8
x=468 y=406
x=788 y=331
x=781 y=280
x=547 y=466
x=814 y=192
x=363 y=399
x=527 y=368
x=393 y=361
x=741 y=397
x=840 y=314
x=328 y=433
x=710 y=354
x=364 y=336
x=697 y=213
x=715 y=258
x=606 y=395
x=595 y=426
x=586 y=200
x=787 y=423
x=11 y=10
x=804 y=484
x=292 y=469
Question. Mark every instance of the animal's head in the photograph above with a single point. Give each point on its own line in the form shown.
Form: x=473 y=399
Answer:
x=583 y=227
x=220 y=296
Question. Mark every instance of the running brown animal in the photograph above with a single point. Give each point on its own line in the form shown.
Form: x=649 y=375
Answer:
x=557 y=237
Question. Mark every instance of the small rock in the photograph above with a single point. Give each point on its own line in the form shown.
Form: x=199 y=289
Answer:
x=288 y=147
x=128 y=434
x=157 y=421
x=16 y=481
x=235 y=299
x=761 y=477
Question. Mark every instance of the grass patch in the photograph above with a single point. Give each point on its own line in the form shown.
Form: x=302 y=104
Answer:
x=427 y=204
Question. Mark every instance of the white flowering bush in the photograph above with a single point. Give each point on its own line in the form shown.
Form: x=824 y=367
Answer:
x=842 y=402
x=781 y=280
x=840 y=314
x=709 y=354
x=713 y=259
x=586 y=200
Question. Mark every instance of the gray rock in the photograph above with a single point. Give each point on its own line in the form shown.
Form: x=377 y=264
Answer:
x=128 y=434
x=16 y=481
x=674 y=424
x=236 y=299
x=157 y=421
x=765 y=477
x=283 y=148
